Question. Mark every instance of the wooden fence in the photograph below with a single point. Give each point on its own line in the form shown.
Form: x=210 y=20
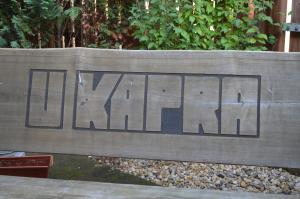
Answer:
x=279 y=15
x=98 y=14
x=232 y=107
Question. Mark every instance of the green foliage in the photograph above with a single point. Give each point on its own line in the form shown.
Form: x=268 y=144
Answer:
x=73 y=13
x=182 y=25
x=110 y=28
x=21 y=21
x=8 y=34
x=24 y=19
x=168 y=24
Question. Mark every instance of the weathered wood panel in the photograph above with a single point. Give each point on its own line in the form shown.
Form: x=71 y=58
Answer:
x=209 y=106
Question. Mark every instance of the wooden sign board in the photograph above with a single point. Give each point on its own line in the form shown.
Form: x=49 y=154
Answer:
x=208 y=106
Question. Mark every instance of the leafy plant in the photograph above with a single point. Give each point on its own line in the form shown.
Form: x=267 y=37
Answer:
x=24 y=23
x=168 y=24
x=109 y=27
x=9 y=36
x=201 y=24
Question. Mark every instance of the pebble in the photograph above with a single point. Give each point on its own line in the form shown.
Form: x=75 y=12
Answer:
x=243 y=184
x=297 y=186
x=208 y=176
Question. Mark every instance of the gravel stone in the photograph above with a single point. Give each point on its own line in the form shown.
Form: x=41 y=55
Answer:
x=208 y=176
x=243 y=184
x=297 y=186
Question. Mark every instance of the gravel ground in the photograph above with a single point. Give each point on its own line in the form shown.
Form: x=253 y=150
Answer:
x=208 y=176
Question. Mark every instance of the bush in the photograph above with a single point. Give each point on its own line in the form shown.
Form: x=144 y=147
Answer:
x=183 y=24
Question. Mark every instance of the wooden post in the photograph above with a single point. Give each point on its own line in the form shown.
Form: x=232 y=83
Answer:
x=59 y=27
x=63 y=44
x=119 y=12
x=84 y=23
x=288 y=19
x=39 y=40
x=147 y=4
x=278 y=14
x=251 y=9
x=295 y=36
x=106 y=9
x=72 y=27
x=95 y=22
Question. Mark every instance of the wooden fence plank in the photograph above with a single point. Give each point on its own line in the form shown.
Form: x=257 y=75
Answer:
x=295 y=36
x=209 y=106
x=278 y=14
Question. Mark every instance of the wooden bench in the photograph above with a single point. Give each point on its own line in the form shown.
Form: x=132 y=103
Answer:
x=205 y=106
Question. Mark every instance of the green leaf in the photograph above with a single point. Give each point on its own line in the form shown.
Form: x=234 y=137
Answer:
x=268 y=19
x=151 y=45
x=144 y=38
x=235 y=37
x=223 y=41
x=177 y=30
x=180 y=20
x=21 y=24
x=14 y=44
x=92 y=46
x=237 y=22
x=4 y=30
x=272 y=39
x=72 y=12
x=192 y=19
x=185 y=35
x=261 y=41
x=199 y=31
x=251 y=40
x=262 y=36
x=252 y=30
x=209 y=9
x=224 y=29
x=3 y=42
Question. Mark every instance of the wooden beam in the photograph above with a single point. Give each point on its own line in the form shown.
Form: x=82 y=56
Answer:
x=153 y=104
x=295 y=36
x=278 y=15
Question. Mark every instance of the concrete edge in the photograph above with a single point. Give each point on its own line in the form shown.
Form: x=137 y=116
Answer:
x=22 y=187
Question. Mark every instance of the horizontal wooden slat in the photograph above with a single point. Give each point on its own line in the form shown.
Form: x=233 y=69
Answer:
x=232 y=107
